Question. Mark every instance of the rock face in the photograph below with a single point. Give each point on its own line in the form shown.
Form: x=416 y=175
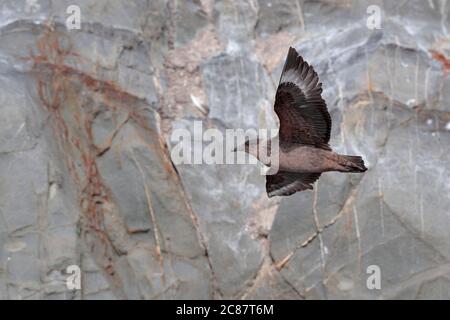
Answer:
x=87 y=179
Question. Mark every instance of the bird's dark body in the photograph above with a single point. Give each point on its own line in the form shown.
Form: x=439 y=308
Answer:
x=309 y=159
x=305 y=128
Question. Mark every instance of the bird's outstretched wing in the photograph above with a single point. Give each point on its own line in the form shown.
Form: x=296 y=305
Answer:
x=286 y=183
x=303 y=114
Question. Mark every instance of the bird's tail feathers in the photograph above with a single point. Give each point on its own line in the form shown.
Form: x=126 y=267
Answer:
x=353 y=163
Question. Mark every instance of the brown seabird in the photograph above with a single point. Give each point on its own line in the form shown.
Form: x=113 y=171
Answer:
x=305 y=126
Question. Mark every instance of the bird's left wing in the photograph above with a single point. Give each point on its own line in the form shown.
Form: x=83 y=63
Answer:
x=286 y=183
x=303 y=114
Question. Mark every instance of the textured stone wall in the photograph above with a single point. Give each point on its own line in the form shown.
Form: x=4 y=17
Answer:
x=86 y=176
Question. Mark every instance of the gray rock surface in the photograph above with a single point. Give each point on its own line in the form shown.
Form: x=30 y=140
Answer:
x=87 y=179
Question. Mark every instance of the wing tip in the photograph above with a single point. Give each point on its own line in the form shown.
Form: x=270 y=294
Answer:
x=292 y=60
x=284 y=191
x=292 y=53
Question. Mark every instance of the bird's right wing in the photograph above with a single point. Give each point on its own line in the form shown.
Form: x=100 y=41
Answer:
x=303 y=114
x=286 y=183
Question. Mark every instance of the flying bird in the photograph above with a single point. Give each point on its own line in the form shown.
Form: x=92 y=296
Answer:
x=305 y=127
